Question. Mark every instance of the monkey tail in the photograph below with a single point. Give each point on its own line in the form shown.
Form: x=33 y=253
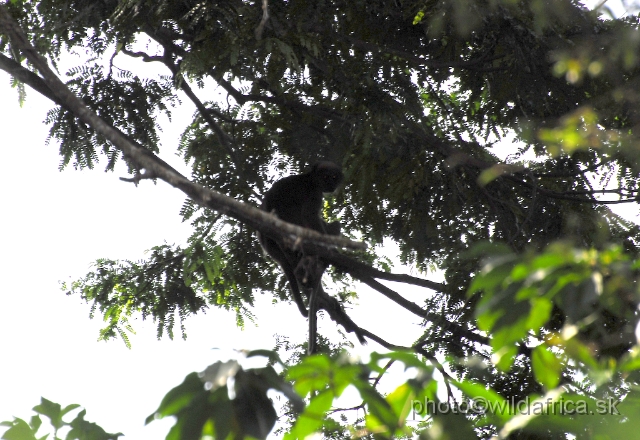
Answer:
x=337 y=313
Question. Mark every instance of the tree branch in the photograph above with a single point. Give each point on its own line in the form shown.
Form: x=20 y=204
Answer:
x=367 y=274
x=226 y=140
x=153 y=166
x=29 y=78
x=163 y=37
x=455 y=156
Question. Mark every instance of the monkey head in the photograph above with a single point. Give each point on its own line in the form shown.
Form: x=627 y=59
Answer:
x=327 y=176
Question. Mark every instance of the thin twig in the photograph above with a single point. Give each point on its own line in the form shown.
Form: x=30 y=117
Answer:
x=263 y=22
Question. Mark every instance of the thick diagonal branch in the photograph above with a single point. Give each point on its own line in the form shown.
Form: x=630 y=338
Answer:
x=153 y=166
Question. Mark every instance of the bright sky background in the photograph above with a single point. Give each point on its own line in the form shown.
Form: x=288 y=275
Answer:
x=617 y=8
x=54 y=225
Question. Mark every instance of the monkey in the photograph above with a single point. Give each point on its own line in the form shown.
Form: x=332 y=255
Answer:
x=297 y=199
x=309 y=270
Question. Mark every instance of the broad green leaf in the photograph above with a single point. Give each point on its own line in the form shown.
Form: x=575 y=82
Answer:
x=400 y=400
x=503 y=358
x=547 y=368
x=20 y=430
x=540 y=313
x=493 y=402
x=53 y=411
x=407 y=358
x=180 y=396
x=310 y=421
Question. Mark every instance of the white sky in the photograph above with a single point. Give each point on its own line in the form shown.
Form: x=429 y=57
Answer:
x=616 y=8
x=54 y=225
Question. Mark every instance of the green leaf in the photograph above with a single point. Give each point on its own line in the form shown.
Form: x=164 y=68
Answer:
x=176 y=399
x=504 y=357
x=484 y=397
x=380 y=411
x=408 y=358
x=222 y=413
x=51 y=410
x=450 y=426
x=253 y=409
x=193 y=418
x=631 y=361
x=539 y=314
x=310 y=421
x=547 y=368
x=35 y=423
x=400 y=400
x=19 y=430
x=311 y=374
x=82 y=429
x=277 y=382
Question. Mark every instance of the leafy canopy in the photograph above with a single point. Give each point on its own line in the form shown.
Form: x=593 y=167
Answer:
x=485 y=138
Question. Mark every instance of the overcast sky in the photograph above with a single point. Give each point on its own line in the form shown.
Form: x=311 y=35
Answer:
x=54 y=225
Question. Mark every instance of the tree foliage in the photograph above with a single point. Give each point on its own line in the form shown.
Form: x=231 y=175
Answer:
x=76 y=429
x=485 y=138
